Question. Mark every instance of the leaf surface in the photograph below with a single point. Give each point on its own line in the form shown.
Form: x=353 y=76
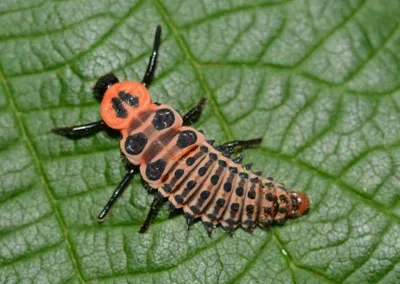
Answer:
x=319 y=80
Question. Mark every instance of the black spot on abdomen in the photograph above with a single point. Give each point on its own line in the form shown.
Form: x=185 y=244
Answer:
x=135 y=144
x=155 y=169
x=186 y=138
x=119 y=108
x=128 y=98
x=164 y=118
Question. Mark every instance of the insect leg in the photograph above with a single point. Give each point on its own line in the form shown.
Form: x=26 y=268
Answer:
x=151 y=66
x=230 y=147
x=117 y=193
x=155 y=206
x=80 y=131
x=193 y=114
x=242 y=143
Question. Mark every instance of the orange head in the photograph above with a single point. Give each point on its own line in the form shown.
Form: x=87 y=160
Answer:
x=300 y=204
x=122 y=103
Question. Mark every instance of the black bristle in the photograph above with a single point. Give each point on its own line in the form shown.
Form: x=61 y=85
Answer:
x=238 y=160
x=189 y=220
x=248 y=166
x=219 y=147
x=209 y=228
x=250 y=228
x=267 y=223
x=229 y=230
x=171 y=207
x=211 y=142
x=227 y=154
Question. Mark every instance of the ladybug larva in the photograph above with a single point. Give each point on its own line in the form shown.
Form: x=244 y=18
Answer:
x=176 y=159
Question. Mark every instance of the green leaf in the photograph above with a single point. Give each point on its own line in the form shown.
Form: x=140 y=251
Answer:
x=319 y=80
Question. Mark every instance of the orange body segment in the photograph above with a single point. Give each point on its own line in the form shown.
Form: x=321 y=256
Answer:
x=132 y=94
x=178 y=161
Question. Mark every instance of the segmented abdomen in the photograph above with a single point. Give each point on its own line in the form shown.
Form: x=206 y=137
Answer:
x=196 y=177
x=213 y=187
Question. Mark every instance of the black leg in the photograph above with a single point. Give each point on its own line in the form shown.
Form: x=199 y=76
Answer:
x=155 y=206
x=117 y=193
x=230 y=147
x=243 y=143
x=193 y=114
x=80 y=131
x=151 y=66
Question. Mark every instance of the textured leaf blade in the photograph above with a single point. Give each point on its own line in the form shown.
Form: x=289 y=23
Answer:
x=318 y=80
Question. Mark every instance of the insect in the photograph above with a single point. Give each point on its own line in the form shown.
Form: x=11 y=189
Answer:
x=176 y=159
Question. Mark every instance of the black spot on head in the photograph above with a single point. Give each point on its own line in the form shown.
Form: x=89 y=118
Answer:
x=235 y=207
x=190 y=161
x=190 y=184
x=179 y=198
x=214 y=179
x=227 y=186
x=204 y=195
x=202 y=171
x=220 y=202
x=179 y=173
x=186 y=138
x=213 y=156
x=155 y=170
x=164 y=118
x=239 y=191
x=195 y=209
x=128 y=98
x=222 y=163
x=250 y=208
x=120 y=111
x=251 y=194
x=134 y=144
